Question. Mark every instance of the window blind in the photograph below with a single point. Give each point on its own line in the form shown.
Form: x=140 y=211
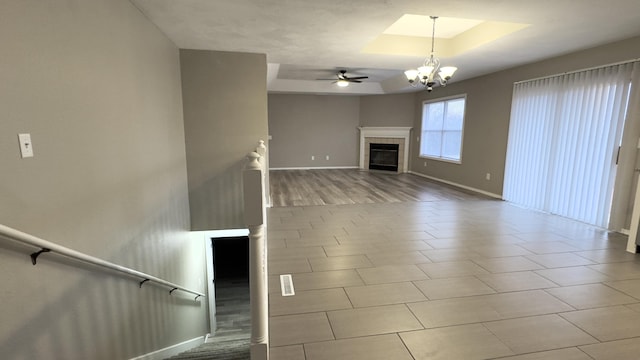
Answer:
x=563 y=141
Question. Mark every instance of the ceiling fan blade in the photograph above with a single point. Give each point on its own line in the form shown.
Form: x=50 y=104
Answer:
x=342 y=76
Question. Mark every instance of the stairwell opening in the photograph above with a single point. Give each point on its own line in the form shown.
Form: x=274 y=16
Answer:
x=231 y=259
x=231 y=281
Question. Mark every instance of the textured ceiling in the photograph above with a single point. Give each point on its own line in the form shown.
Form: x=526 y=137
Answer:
x=305 y=40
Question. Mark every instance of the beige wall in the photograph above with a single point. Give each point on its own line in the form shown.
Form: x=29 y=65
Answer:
x=225 y=115
x=302 y=126
x=488 y=111
x=98 y=87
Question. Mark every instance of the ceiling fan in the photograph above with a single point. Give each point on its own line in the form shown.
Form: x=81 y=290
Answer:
x=343 y=80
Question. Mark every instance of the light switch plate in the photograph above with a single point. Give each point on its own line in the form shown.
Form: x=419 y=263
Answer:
x=26 y=147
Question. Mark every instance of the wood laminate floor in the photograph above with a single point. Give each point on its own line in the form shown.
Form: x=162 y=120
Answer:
x=233 y=324
x=233 y=313
x=352 y=186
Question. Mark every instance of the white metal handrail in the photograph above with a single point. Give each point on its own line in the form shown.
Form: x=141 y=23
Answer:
x=47 y=246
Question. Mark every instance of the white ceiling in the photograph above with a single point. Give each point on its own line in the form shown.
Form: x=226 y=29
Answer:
x=309 y=39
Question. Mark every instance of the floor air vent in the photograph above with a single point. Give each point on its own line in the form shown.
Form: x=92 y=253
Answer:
x=286 y=285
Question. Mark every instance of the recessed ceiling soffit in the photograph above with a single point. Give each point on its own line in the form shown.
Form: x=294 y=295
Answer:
x=411 y=36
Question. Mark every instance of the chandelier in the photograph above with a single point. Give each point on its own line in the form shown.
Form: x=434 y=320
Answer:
x=430 y=73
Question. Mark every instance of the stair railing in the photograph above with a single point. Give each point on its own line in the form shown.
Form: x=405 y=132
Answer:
x=264 y=161
x=255 y=216
x=50 y=247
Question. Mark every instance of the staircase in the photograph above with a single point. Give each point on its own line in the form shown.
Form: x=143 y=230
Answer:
x=241 y=320
x=232 y=337
x=218 y=350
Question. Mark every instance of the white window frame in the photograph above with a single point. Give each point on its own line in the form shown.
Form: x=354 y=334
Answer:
x=441 y=158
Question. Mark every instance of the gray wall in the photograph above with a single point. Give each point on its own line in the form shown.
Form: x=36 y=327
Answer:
x=488 y=111
x=98 y=87
x=319 y=125
x=313 y=125
x=388 y=110
x=225 y=115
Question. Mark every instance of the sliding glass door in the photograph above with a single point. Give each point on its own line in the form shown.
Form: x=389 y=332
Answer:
x=564 y=138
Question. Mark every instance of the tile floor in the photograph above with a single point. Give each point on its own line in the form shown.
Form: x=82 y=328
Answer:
x=457 y=279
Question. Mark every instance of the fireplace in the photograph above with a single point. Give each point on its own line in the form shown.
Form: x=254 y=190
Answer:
x=383 y=156
x=397 y=136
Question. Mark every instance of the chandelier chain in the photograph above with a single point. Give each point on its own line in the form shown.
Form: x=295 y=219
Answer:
x=430 y=73
x=433 y=34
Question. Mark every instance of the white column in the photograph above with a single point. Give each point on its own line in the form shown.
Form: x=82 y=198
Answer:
x=264 y=160
x=254 y=214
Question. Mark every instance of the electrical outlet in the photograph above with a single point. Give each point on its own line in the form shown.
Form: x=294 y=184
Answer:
x=313 y=157
x=425 y=164
x=26 y=147
x=488 y=176
x=327 y=157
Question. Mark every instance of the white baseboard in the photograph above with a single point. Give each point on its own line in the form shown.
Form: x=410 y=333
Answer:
x=173 y=349
x=315 y=168
x=259 y=351
x=458 y=185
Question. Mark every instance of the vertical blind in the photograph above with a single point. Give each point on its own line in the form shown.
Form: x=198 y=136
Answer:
x=563 y=142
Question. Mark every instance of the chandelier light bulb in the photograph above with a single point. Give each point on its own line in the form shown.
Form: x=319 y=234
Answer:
x=425 y=71
x=411 y=75
x=446 y=72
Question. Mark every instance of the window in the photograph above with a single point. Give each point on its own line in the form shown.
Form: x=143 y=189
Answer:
x=442 y=124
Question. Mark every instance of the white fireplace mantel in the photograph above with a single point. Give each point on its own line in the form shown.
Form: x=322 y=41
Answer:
x=385 y=132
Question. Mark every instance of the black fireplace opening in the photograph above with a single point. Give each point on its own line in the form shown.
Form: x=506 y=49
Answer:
x=383 y=157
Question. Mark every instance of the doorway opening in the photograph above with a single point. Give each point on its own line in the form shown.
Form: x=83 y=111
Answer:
x=231 y=282
x=231 y=259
